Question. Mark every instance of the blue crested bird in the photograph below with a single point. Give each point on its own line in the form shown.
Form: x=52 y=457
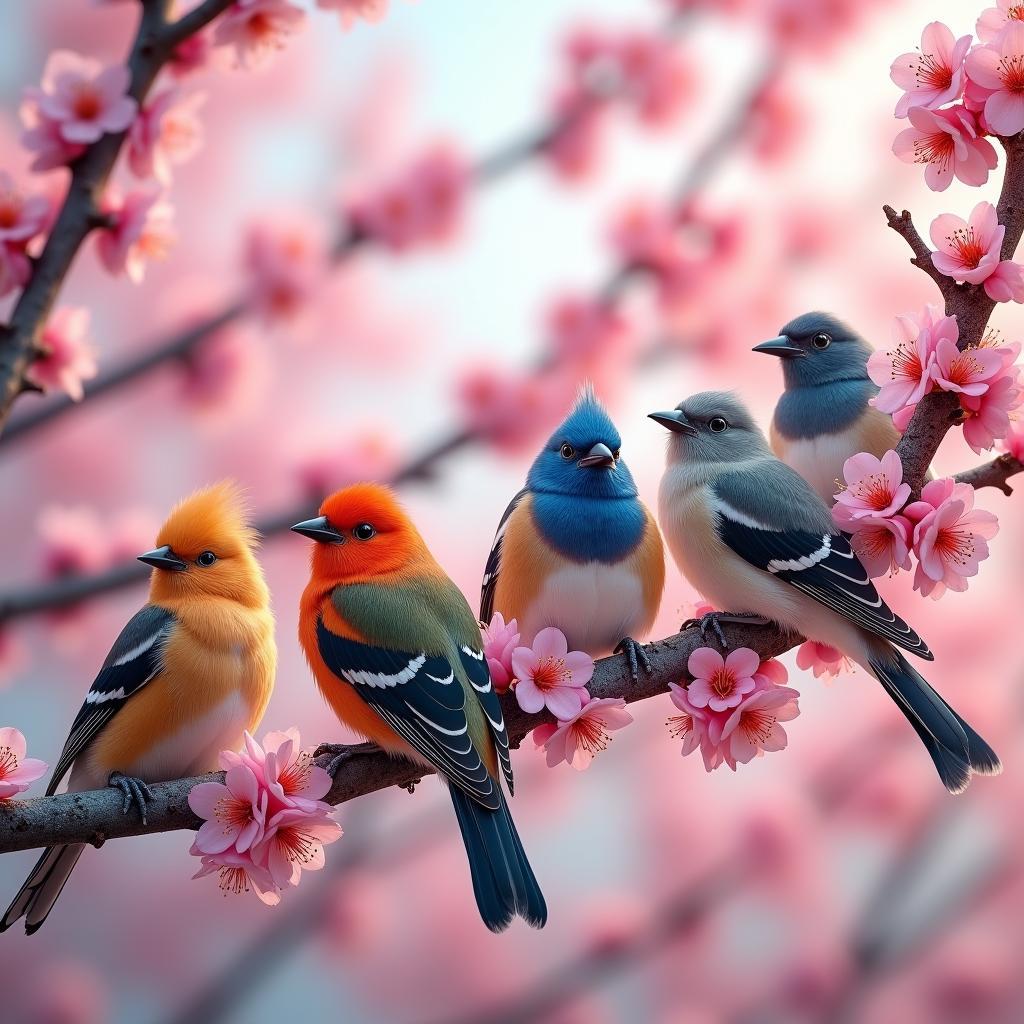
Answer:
x=576 y=547
x=749 y=533
x=191 y=670
x=824 y=415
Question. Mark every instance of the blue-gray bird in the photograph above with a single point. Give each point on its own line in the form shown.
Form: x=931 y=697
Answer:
x=752 y=536
x=823 y=416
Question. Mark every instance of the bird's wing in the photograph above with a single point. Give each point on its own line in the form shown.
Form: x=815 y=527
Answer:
x=493 y=567
x=475 y=665
x=817 y=562
x=135 y=658
x=418 y=695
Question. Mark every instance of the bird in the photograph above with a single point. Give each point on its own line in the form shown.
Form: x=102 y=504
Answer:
x=397 y=653
x=189 y=673
x=752 y=536
x=576 y=548
x=824 y=415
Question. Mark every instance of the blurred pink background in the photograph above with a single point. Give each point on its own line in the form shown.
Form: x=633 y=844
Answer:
x=367 y=372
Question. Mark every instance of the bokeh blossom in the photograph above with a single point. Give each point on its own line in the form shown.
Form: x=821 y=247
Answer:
x=22 y=215
x=549 y=675
x=17 y=771
x=354 y=11
x=140 y=230
x=579 y=739
x=257 y=29
x=166 y=132
x=66 y=357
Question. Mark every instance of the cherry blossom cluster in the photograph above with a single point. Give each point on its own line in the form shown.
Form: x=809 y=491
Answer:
x=734 y=708
x=266 y=823
x=955 y=94
x=943 y=529
x=76 y=540
x=550 y=676
x=985 y=377
x=17 y=771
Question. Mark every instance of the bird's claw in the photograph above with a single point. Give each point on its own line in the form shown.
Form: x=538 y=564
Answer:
x=134 y=791
x=709 y=620
x=342 y=752
x=637 y=655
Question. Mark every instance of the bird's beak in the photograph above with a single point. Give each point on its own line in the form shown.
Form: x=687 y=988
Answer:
x=163 y=558
x=782 y=346
x=599 y=455
x=319 y=529
x=675 y=421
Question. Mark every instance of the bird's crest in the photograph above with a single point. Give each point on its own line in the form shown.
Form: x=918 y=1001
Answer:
x=210 y=518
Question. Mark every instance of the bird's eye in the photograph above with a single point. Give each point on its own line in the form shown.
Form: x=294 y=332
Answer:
x=206 y=559
x=717 y=425
x=568 y=452
x=364 y=531
x=821 y=340
x=616 y=454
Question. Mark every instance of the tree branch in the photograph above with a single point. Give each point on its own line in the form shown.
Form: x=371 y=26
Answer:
x=993 y=474
x=96 y=816
x=153 y=46
x=937 y=412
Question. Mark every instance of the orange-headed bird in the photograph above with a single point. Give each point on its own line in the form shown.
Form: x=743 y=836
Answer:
x=396 y=651
x=191 y=670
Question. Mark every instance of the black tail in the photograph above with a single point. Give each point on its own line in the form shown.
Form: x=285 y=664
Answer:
x=37 y=896
x=955 y=747
x=503 y=881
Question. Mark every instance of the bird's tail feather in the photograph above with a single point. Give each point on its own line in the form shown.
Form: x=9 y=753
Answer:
x=503 y=881
x=37 y=896
x=955 y=747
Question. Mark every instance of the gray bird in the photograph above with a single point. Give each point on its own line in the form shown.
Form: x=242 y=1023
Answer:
x=823 y=416
x=752 y=536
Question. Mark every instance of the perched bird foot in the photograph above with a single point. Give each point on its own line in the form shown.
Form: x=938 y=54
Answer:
x=713 y=621
x=637 y=656
x=135 y=791
x=342 y=752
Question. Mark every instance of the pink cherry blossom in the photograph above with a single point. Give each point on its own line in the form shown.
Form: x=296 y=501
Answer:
x=967 y=250
x=967 y=372
x=234 y=811
x=549 y=675
x=646 y=237
x=286 y=260
x=422 y=206
x=721 y=683
x=904 y=374
x=84 y=99
x=67 y=354
x=500 y=639
x=22 y=216
x=993 y=20
x=574 y=150
x=43 y=137
x=508 y=408
x=655 y=77
x=291 y=777
x=987 y=416
x=167 y=131
x=367 y=453
x=191 y=55
x=294 y=842
x=821 y=659
x=755 y=726
x=874 y=487
x=882 y=543
x=1013 y=443
x=237 y=873
x=948 y=142
x=141 y=231
x=933 y=76
x=577 y=740
x=1006 y=282
x=998 y=67
x=693 y=725
x=15 y=269
x=257 y=29
x=353 y=11
x=950 y=541
x=17 y=772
